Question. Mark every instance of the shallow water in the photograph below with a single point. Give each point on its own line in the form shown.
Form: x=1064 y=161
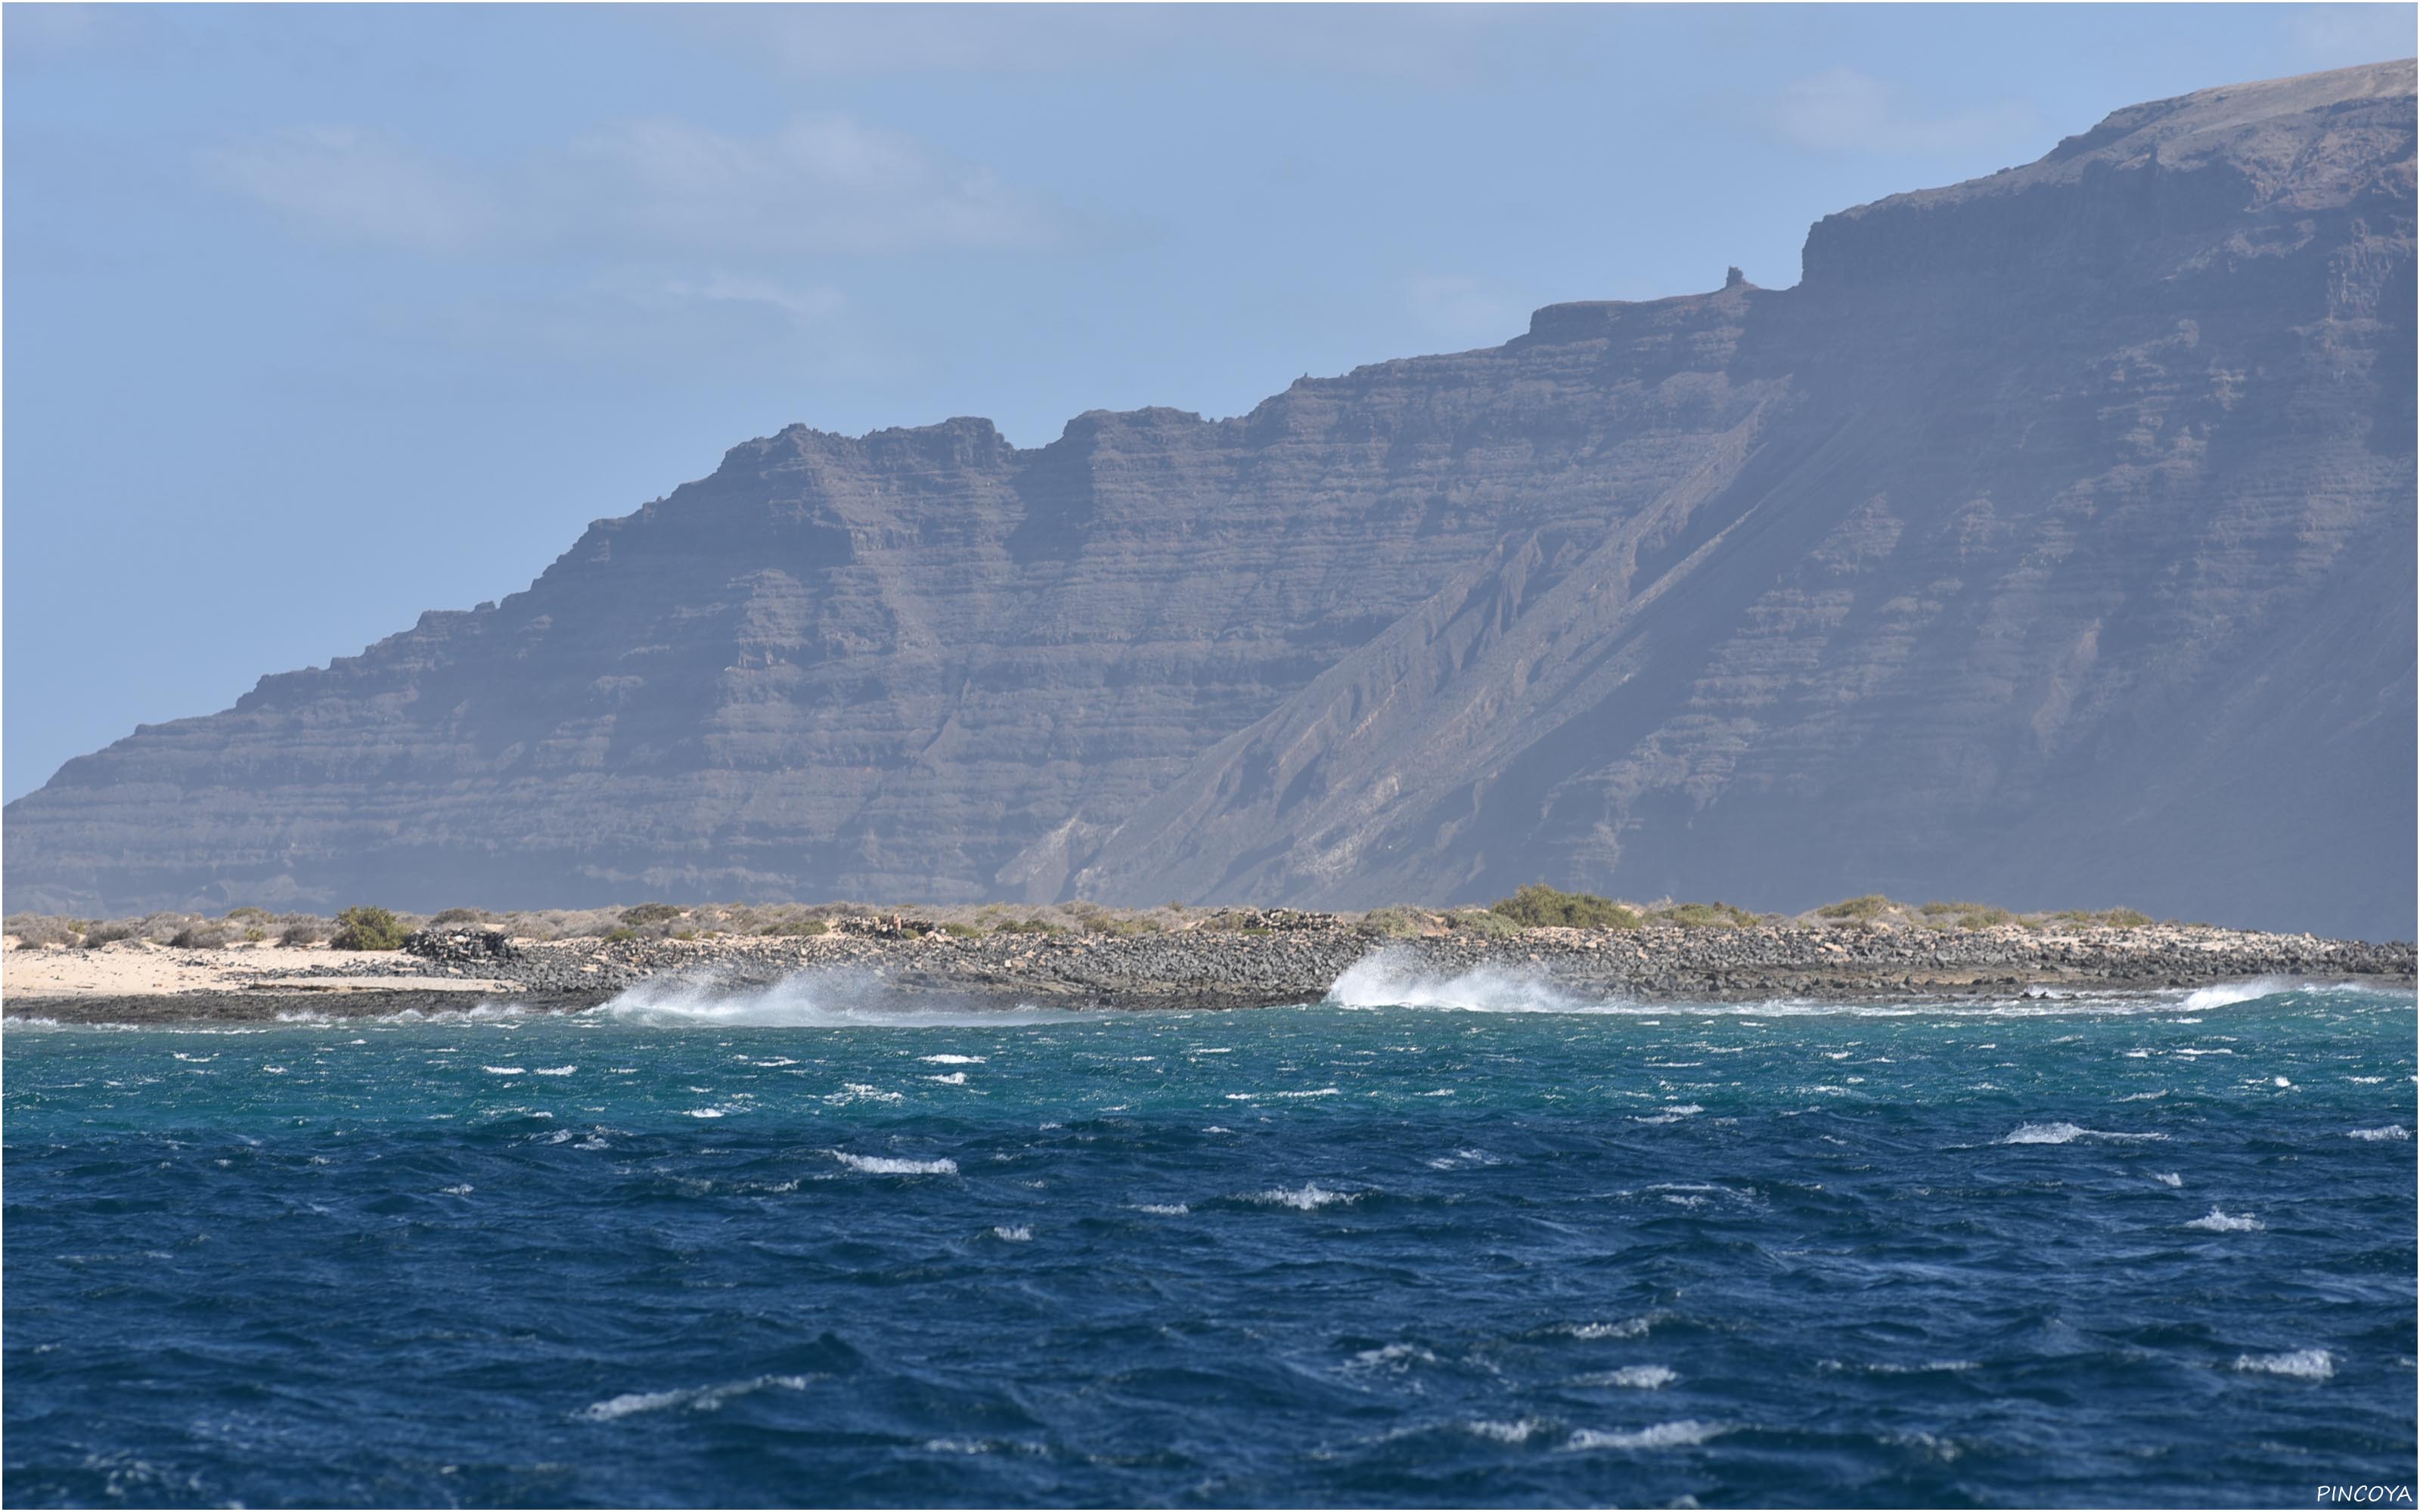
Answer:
x=791 y=1248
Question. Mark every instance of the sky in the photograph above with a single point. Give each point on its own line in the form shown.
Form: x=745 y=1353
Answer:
x=316 y=317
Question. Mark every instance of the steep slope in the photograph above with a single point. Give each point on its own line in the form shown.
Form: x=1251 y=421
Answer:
x=2051 y=540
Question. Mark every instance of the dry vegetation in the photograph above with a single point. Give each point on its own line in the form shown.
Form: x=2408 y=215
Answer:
x=368 y=927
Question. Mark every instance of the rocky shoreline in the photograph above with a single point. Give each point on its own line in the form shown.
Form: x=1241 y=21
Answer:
x=1298 y=961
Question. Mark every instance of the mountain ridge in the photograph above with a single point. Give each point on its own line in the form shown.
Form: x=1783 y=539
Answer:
x=1904 y=576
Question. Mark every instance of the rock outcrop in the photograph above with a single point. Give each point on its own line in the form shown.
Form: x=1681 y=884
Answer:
x=2051 y=541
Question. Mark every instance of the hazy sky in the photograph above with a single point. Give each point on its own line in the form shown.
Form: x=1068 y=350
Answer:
x=321 y=316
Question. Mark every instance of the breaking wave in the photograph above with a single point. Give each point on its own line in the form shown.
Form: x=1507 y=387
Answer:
x=1385 y=978
x=831 y=997
x=889 y=1165
x=2304 y=1364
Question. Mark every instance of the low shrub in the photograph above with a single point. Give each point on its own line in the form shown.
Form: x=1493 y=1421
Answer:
x=1391 y=923
x=367 y=928
x=645 y=914
x=798 y=927
x=255 y=935
x=1704 y=916
x=248 y=911
x=1480 y=921
x=36 y=929
x=108 y=932
x=961 y=932
x=198 y=938
x=1030 y=926
x=2106 y=919
x=302 y=932
x=457 y=916
x=1872 y=906
x=615 y=936
x=1539 y=907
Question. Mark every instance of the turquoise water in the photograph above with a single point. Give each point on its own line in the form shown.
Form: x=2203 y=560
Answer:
x=1499 y=1248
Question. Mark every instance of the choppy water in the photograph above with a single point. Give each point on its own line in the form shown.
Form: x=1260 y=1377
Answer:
x=802 y=1247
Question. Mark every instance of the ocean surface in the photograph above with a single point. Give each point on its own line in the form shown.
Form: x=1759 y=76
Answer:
x=1429 y=1243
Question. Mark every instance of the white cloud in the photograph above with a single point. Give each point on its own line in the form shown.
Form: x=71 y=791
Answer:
x=1456 y=307
x=1842 y=110
x=353 y=187
x=803 y=305
x=2341 y=36
x=1435 y=43
x=825 y=184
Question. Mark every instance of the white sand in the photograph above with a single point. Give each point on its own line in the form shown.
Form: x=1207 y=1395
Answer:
x=126 y=969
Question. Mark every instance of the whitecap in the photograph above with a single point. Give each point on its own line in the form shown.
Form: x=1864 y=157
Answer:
x=503 y=1070
x=956 y=1078
x=1683 y=1434
x=1629 y=1328
x=1504 y=1432
x=1634 y=1377
x=2061 y=1134
x=947 y=1059
x=2226 y=1223
x=2304 y=1364
x=1304 y=1198
x=1393 y=1357
x=697 y=1398
x=554 y=1070
x=2167 y=1179
x=1012 y=1234
x=2391 y=1131
x=1164 y=1210
x=888 y=1165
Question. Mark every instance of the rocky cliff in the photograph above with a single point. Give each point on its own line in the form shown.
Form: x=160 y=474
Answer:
x=2052 y=541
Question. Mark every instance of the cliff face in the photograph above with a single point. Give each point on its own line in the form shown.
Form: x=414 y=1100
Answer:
x=2052 y=542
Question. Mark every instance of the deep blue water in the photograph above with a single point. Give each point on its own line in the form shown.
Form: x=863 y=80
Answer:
x=805 y=1249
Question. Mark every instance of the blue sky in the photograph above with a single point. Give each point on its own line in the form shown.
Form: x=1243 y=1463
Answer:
x=320 y=316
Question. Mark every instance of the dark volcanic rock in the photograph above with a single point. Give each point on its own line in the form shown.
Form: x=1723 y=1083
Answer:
x=461 y=947
x=2052 y=542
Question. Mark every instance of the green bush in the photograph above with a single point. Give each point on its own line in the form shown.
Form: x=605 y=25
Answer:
x=459 y=916
x=302 y=932
x=367 y=928
x=2126 y=918
x=1870 y=906
x=961 y=932
x=803 y=926
x=1539 y=907
x=248 y=911
x=1390 y=923
x=1480 y=921
x=1704 y=916
x=199 y=937
x=645 y=914
x=1983 y=917
x=1030 y=926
